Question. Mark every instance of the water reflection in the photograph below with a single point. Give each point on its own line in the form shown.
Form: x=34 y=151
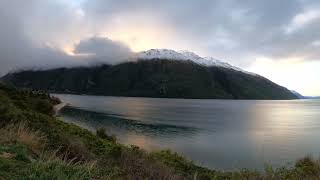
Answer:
x=113 y=122
x=222 y=134
x=283 y=130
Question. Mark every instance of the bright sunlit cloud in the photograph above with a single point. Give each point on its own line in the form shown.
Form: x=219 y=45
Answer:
x=292 y=73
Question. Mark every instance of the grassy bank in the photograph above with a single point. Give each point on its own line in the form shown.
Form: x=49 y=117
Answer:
x=36 y=145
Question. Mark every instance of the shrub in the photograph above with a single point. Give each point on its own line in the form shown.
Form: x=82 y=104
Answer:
x=76 y=148
x=101 y=133
x=115 y=151
x=308 y=167
x=43 y=106
x=55 y=100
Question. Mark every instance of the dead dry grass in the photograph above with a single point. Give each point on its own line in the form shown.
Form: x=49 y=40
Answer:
x=7 y=155
x=20 y=133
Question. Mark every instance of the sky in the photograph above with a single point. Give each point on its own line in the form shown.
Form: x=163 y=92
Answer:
x=276 y=39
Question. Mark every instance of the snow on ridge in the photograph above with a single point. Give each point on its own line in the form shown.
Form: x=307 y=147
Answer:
x=186 y=55
x=161 y=54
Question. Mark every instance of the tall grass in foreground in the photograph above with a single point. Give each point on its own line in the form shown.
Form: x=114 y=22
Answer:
x=21 y=146
x=20 y=133
x=53 y=167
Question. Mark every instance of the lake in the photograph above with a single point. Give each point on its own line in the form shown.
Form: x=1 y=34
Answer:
x=221 y=134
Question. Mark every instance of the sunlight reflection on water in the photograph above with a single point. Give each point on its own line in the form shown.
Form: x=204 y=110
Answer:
x=223 y=134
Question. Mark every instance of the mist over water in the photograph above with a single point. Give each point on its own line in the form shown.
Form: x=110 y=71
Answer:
x=222 y=134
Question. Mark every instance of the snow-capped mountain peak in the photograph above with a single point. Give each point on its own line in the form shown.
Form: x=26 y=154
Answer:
x=161 y=54
x=190 y=55
x=185 y=56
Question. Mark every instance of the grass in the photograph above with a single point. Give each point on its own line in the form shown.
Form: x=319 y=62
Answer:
x=36 y=145
x=21 y=134
x=18 y=165
x=23 y=155
x=53 y=167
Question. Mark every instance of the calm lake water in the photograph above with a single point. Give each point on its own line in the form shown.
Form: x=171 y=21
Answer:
x=221 y=134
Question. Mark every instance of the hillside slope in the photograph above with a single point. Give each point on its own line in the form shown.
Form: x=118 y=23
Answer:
x=157 y=78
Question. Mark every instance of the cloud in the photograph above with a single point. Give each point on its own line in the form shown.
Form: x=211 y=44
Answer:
x=104 y=50
x=45 y=34
x=34 y=34
x=303 y=19
x=235 y=31
x=17 y=50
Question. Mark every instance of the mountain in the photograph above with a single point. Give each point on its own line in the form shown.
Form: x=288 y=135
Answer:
x=155 y=73
x=304 y=97
x=311 y=97
x=300 y=96
x=184 y=56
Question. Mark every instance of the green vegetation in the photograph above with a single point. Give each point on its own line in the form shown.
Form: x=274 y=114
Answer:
x=36 y=145
x=158 y=78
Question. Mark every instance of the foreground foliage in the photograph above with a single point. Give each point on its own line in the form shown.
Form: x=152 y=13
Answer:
x=36 y=145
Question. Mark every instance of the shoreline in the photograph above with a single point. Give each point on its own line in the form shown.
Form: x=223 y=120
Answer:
x=41 y=146
x=58 y=107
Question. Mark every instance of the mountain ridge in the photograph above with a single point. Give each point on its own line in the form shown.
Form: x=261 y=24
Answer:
x=185 y=55
x=164 y=78
x=300 y=96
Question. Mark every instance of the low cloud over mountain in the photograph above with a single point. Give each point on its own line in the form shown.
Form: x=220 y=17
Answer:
x=103 y=50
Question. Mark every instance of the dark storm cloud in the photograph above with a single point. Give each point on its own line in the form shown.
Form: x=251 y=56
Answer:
x=229 y=29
